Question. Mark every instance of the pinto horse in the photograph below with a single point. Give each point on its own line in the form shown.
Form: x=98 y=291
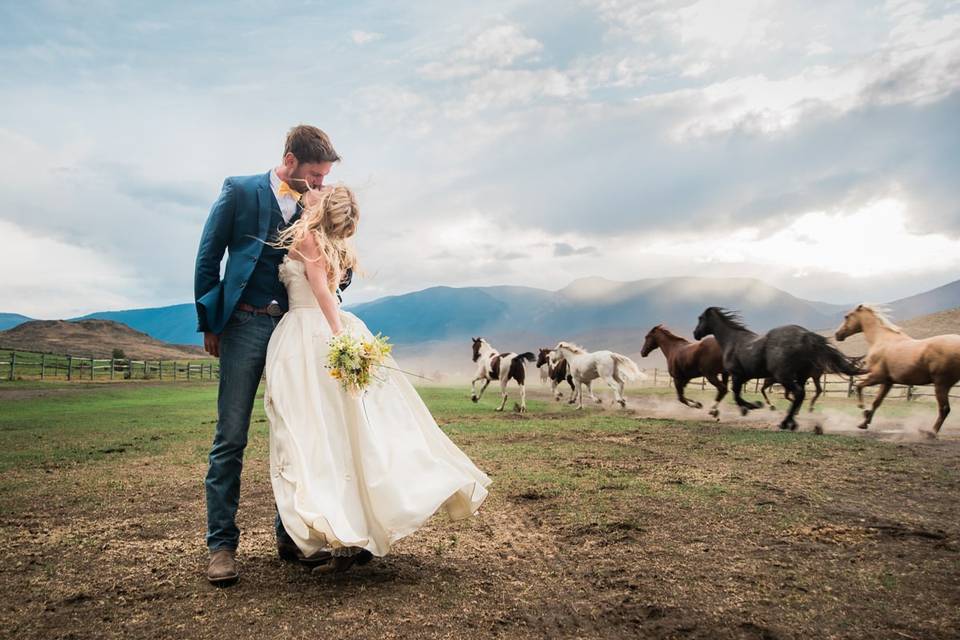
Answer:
x=688 y=360
x=557 y=371
x=896 y=358
x=585 y=367
x=493 y=365
x=789 y=355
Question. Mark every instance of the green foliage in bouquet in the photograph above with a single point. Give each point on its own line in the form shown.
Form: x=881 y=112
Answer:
x=352 y=361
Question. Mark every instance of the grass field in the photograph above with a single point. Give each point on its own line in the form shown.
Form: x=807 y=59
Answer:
x=601 y=524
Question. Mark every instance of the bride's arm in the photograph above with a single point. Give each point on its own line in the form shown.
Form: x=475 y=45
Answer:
x=315 y=267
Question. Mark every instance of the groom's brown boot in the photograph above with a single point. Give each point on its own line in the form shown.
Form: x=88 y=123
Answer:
x=222 y=570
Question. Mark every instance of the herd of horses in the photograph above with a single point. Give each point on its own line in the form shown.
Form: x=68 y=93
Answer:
x=728 y=354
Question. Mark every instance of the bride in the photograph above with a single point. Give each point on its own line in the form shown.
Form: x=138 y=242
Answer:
x=351 y=474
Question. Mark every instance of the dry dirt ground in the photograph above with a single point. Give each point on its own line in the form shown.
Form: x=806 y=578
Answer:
x=602 y=524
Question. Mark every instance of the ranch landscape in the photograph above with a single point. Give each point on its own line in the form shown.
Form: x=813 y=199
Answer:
x=652 y=521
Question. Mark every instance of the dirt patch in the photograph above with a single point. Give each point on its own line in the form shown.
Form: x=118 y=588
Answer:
x=652 y=528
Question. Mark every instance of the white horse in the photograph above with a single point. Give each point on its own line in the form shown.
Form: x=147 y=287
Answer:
x=585 y=367
x=493 y=365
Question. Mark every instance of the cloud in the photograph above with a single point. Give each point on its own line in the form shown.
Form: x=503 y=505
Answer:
x=518 y=142
x=493 y=48
x=364 y=37
x=563 y=249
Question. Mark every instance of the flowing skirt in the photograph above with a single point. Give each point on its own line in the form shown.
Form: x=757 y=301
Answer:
x=350 y=471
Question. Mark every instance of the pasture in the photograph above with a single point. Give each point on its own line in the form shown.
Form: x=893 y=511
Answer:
x=604 y=523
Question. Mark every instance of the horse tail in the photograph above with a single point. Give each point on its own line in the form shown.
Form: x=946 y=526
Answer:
x=527 y=355
x=829 y=359
x=628 y=367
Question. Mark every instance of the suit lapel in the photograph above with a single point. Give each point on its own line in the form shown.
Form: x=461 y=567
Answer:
x=266 y=202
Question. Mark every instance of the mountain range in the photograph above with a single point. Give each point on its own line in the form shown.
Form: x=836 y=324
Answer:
x=598 y=312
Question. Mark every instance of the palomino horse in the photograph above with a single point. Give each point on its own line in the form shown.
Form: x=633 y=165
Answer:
x=557 y=371
x=493 y=365
x=896 y=358
x=789 y=355
x=585 y=367
x=688 y=360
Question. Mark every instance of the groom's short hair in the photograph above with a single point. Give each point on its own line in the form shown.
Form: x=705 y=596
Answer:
x=310 y=144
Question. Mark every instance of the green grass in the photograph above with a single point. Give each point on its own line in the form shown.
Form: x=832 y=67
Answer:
x=597 y=461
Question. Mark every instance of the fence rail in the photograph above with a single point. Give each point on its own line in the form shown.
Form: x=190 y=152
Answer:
x=29 y=365
x=833 y=385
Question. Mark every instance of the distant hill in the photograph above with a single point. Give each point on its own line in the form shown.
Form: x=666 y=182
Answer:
x=939 y=299
x=92 y=338
x=10 y=320
x=176 y=324
x=598 y=312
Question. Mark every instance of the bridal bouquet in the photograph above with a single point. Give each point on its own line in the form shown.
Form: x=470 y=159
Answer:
x=352 y=361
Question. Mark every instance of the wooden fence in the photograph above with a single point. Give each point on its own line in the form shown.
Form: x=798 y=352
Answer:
x=833 y=385
x=28 y=365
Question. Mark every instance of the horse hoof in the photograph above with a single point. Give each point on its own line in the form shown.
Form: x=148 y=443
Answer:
x=714 y=413
x=697 y=405
x=931 y=435
x=744 y=411
x=862 y=425
x=772 y=408
x=622 y=403
x=474 y=399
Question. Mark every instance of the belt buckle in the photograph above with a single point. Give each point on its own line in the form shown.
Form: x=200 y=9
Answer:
x=273 y=309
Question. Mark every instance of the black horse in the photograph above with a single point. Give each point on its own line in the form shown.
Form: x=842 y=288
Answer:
x=789 y=355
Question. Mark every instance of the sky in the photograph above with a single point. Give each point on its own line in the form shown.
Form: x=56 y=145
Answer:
x=813 y=145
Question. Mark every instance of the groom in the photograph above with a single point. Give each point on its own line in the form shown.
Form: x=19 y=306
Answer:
x=238 y=313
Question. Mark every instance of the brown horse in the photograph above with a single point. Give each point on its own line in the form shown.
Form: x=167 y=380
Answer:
x=894 y=357
x=688 y=360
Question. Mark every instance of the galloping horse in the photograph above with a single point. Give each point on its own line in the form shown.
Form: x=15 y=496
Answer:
x=896 y=358
x=789 y=355
x=493 y=365
x=585 y=367
x=688 y=360
x=817 y=386
x=557 y=371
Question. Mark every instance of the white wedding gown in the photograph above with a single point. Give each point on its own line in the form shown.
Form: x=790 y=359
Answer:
x=353 y=471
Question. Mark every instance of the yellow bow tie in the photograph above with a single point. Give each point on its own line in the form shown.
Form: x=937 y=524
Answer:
x=287 y=190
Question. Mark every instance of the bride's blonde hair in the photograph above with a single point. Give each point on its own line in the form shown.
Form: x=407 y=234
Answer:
x=331 y=215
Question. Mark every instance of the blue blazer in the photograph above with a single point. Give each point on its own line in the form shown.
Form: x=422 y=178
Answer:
x=238 y=222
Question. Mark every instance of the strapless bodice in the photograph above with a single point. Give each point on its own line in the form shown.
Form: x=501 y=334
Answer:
x=294 y=277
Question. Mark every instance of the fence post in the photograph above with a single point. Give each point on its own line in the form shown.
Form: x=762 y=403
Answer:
x=91 y=368
x=174 y=369
x=13 y=364
x=113 y=364
x=850 y=388
x=160 y=369
x=909 y=392
x=654 y=376
x=703 y=383
x=188 y=370
x=43 y=364
x=69 y=368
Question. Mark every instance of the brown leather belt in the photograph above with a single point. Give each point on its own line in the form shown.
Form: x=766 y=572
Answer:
x=272 y=309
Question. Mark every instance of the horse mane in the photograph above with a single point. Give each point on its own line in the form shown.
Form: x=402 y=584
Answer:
x=732 y=318
x=572 y=346
x=882 y=317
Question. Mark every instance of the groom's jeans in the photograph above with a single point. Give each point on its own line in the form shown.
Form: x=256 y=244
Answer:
x=243 y=353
